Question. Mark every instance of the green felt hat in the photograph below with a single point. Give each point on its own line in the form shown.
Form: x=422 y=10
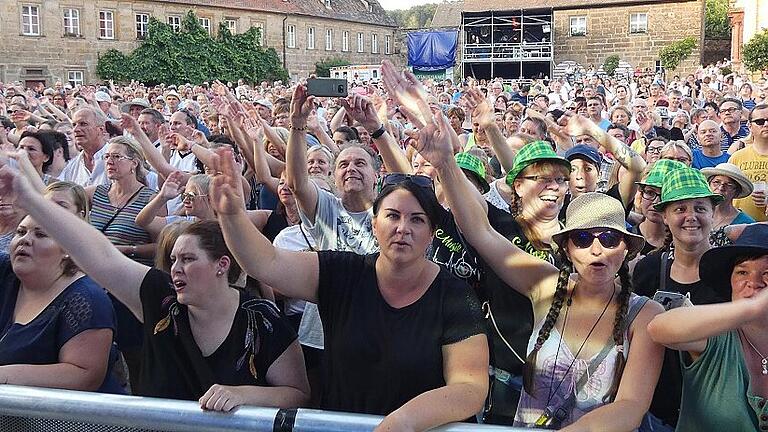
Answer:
x=659 y=171
x=685 y=183
x=474 y=165
x=536 y=151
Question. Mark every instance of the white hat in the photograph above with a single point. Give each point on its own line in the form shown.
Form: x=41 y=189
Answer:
x=733 y=172
x=101 y=96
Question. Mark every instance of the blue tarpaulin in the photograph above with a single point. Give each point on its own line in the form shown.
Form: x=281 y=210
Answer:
x=432 y=50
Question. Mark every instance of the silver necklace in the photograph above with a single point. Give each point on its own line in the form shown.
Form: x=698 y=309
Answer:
x=763 y=359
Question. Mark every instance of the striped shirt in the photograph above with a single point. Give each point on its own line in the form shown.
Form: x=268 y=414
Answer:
x=122 y=231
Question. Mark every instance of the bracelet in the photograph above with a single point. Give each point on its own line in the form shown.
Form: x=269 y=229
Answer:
x=133 y=251
x=300 y=129
x=378 y=132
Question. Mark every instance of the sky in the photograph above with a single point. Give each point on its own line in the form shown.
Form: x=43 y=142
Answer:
x=404 y=4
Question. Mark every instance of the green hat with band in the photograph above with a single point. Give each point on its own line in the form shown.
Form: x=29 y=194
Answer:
x=474 y=165
x=683 y=184
x=659 y=171
x=536 y=151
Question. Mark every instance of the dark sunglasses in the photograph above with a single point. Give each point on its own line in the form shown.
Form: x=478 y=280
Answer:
x=398 y=178
x=583 y=239
x=760 y=121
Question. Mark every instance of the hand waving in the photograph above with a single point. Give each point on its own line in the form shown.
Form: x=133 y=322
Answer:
x=226 y=192
x=479 y=107
x=302 y=105
x=404 y=88
x=173 y=186
x=362 y=111
x=436 y=141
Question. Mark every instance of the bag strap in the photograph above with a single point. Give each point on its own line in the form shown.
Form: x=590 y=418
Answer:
x=118 y=211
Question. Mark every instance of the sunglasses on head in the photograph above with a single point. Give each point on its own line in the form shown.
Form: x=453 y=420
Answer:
x=583 y=239
x=398 y=178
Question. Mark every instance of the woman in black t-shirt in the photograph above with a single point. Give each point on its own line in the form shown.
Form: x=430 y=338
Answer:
x=403 y=338
x=203 y=339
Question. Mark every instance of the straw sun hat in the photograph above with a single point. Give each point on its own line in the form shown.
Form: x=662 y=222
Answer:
x=598 y=210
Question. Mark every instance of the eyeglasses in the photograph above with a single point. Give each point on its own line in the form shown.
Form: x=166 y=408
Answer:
x=650 y=194
x=728 y=186
x=418 y=180
x=190 y=196
x=583 y=239
x=682 y=159
x=542 y=180
x=115 y=157
x=654 y=150
x=730 y=110
x=760 y=121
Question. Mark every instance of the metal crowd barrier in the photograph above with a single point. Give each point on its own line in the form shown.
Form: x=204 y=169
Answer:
x=33 y=409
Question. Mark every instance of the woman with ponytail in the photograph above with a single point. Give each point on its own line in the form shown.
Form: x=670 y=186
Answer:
x=580 y=373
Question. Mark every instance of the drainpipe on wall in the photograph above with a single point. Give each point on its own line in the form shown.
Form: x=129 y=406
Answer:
x=284 y=43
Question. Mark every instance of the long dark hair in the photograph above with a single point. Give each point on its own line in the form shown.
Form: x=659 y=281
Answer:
x=529 y=369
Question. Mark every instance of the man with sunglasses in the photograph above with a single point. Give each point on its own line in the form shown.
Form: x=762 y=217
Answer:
x=753 y=161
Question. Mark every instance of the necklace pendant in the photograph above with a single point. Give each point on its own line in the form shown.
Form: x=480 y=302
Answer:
x=765 y=366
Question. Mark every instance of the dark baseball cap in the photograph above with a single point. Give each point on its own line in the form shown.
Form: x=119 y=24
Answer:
x=585 y=152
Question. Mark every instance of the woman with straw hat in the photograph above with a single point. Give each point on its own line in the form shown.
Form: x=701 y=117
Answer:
x=687 y=208
x=729 y=181
x=585 y=374
x=724 y=346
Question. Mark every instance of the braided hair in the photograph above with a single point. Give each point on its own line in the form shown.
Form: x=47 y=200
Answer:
x=529 y=368
x=618 y=329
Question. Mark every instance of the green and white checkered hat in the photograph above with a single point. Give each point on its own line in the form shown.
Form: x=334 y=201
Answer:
x=659 y=171
x=474 y=165
x=685 y=183
x=536 y=151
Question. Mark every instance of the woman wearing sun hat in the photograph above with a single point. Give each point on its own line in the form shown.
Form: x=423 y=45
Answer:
x=724 y=347
x=687 y=208
x=596 y=311
x=729 y=181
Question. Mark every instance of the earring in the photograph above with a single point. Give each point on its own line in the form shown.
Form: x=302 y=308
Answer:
x=219 y=273
x=66 y=256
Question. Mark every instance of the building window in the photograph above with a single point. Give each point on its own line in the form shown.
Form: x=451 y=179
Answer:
x=360 y=42
x=638 y=23
x=142 y=24
x=290 y=33
x=30 y=20
x=387 y=44
x=374 y=43
x=71 y=22
x=106 y=25
x=206 y=23
x=231 y=24
x=310 y=38
x=75 y=77
x=175 y=22
x=578 y=26
x=329 y=40
x=259 y=39
x=345 y=41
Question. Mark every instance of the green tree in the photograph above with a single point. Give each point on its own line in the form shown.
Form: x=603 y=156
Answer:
x=674 y=53
x=323 y=67
x=755 y=53
x=191 y=55
x=610 y=64
x=716 y=23
x=415 y=17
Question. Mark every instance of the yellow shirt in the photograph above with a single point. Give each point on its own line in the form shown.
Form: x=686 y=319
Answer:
x=755 y=166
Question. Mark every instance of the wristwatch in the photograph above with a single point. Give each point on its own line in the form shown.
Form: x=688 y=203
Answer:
x=379 y=132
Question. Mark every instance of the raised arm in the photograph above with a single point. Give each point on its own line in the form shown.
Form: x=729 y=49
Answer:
x=296 y=175
x=688 y=328
x=294 y=274
x=313 y=124
x=483 y=114
x=632 y=161
x=155 y=158
x=88 y=247
x=528 y=275
x=152 y=216
x=362 y=111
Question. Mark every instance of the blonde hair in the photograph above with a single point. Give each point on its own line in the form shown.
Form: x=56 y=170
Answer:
x=134 y=151
x=79 y=197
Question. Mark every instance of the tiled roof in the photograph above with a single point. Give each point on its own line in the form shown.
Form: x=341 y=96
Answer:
x=487 y=5
x=448 y=14
x=347 y=10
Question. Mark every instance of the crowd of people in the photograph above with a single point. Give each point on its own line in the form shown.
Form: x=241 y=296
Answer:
x=588 y=255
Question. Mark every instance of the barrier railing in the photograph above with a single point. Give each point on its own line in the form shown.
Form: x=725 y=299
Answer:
x=103 y=412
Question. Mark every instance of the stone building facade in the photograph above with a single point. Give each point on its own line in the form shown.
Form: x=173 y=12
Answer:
x=50 y=40
x=518 y=39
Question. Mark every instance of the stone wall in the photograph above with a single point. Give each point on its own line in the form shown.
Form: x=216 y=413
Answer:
x=608 y=33
x=54 y=54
